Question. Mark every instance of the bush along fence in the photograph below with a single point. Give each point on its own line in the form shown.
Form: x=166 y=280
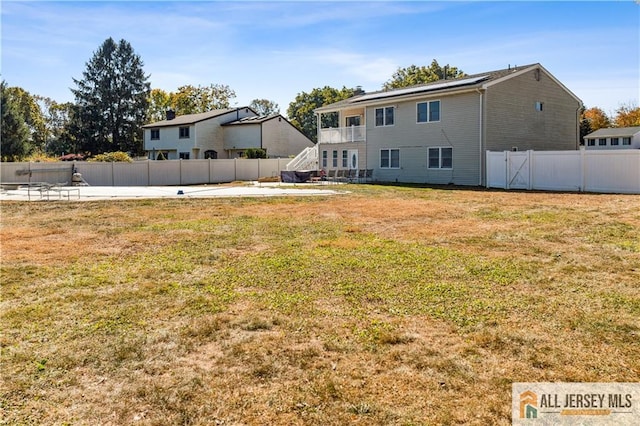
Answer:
x=145 y=173
x=613 y=171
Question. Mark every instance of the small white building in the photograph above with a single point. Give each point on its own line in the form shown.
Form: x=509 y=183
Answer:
x=222 y=133
x=614 y=138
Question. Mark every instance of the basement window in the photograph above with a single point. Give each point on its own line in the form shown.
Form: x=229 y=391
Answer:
x=440 y=158
x=389 y=158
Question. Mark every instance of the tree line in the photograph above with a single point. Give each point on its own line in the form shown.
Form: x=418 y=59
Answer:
x=114 y=98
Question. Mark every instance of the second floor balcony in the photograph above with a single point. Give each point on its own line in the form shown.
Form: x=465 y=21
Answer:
x=342 y=134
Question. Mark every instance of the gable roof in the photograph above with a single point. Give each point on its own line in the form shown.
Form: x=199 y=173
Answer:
x=252 y=120
x=469 y=82
x=187 y=119
x=263 y=119
x=614 y=132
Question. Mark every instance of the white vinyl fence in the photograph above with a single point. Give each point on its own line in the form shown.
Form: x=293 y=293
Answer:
x=616 y=171
x=145 y=173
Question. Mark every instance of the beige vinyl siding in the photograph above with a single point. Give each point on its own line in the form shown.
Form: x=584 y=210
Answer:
x=242 y=137
x=513 y=121
x=458 y=128
x=281 y=139
x=170 y=141
x=211 y=135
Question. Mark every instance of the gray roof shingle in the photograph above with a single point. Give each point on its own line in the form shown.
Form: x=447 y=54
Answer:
x=440 y=86
x=614 y=132
x=186 y=119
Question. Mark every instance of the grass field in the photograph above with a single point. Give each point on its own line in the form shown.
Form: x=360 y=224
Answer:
x=388 y=305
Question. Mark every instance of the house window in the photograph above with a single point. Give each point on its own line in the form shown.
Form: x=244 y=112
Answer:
x=539 y=106
x=334 y=158
x=155 y=134
x=345 y=158
x=353 y=121
x=615 y=141
x=440 y=158
x=385 y=116
x=591 y=142
x=428 y=111
x=184 y=133
x=626 y=141
x=389 y=158
x=324 y=159
x=210 y=155
x=184 y=155
x=602 y=141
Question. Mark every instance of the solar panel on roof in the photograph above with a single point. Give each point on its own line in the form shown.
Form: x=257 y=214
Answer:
x=422 y=89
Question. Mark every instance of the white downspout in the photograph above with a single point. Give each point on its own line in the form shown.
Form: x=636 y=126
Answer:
x=480 y=157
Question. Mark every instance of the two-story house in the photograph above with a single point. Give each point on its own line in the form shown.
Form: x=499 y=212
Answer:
x=222 y=133
x=439 y=132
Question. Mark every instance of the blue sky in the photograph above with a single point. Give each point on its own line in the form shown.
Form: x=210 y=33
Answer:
x=275 y=50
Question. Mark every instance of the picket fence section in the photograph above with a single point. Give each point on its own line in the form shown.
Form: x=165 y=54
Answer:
x=610 y=171
x=145 y=173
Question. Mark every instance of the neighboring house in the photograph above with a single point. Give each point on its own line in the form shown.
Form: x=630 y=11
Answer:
x=614 y=138
x=212 y=135
x=439 y=132
x=273 y=133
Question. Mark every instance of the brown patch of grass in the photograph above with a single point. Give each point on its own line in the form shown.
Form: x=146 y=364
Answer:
x=390 y=305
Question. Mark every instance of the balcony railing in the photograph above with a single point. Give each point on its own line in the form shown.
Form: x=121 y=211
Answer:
x=343 y=134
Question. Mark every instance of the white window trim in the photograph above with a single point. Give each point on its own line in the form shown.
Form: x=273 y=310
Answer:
x=151 y=134
x=384 y=116
x=428 y=111
x=188 y=130
x=439 y=148
x=389 y=167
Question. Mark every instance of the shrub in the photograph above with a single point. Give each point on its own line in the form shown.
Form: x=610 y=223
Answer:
x=256 y=153
x=117 y=156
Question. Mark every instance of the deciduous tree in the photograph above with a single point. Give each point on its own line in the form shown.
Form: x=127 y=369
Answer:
x=264 y=107
x=627 y=116
x=301 y=113
x=159 y=103
x=413 y=75
x=597 y=118
x=14 y=133
x=111 y=99
x=192 y=100
x=28 y=107
x=188 y=99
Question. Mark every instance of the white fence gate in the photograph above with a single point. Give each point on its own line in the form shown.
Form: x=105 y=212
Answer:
x=615 y=171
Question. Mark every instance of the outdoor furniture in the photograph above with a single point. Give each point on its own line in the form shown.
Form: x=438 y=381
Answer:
x=45 y=189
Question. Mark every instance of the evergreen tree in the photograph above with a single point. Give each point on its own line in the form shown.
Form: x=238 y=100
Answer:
x=111 y=100
x=14 y=133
